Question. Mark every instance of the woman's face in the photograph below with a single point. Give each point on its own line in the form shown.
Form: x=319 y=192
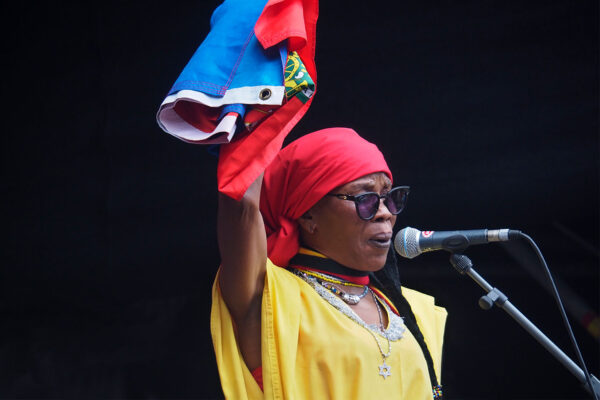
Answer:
x=333 y=228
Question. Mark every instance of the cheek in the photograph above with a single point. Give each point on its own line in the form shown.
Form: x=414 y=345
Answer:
x=349 y=231
x=340 y=215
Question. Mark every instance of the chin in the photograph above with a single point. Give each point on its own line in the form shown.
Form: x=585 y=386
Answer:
x=379 y=266
x=375 y=263
x=368 y=260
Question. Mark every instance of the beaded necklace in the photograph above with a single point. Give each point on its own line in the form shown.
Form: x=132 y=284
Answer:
x=308 y=261
x=328 y=278
x=394 y=331
x=328 y=282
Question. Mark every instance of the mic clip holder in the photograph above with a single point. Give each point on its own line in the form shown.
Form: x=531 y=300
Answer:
x=493 y=296
x=464 y=265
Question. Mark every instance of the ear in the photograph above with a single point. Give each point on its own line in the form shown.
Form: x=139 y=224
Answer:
x=307 y=223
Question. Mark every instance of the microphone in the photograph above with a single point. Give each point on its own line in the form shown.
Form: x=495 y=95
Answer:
x=411 y=242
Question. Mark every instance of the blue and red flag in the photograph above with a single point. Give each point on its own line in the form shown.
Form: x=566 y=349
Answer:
x=246 y=86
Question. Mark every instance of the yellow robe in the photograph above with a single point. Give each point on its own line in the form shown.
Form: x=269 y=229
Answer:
x=310 y=350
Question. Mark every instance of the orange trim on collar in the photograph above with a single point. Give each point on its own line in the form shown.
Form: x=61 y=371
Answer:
x=304 y=250
x=384 y=297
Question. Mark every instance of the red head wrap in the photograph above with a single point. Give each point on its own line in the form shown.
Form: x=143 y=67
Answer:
x=305 y=171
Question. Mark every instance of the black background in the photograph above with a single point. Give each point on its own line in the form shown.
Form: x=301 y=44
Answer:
x=488 y=109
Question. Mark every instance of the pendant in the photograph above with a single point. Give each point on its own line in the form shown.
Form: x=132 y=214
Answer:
x=351 y=299
x=384 y=370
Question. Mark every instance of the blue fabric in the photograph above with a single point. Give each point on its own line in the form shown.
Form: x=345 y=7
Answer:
x=231 y=56
x=236 y=108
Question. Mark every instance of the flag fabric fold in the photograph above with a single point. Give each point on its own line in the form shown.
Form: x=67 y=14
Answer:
x=246 y=86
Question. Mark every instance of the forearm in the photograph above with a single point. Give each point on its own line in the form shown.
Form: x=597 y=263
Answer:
x=242 y=244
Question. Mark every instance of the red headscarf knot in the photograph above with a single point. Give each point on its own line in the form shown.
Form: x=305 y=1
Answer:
x=305 y=171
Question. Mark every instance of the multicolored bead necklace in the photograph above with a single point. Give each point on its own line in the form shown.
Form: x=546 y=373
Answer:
x=328 y=282
x=329 y=278
x=310 y=265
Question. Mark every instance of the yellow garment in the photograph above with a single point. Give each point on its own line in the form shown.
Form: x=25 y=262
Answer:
x=310 y=350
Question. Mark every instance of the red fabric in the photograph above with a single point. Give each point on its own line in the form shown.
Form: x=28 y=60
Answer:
x=198 y=115
x=242 y=161
x=294 y=20
x=304 y=172
x=257 y=374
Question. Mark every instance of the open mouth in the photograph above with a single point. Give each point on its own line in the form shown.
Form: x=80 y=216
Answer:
x=382 y=240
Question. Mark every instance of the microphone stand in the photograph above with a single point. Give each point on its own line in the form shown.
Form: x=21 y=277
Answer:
x=464 y=266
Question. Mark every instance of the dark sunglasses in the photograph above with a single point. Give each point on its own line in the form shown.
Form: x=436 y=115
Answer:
x=367 y=203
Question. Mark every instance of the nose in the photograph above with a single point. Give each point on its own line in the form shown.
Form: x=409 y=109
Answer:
x=383 y=213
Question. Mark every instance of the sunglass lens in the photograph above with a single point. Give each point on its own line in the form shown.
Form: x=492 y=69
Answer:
x=367 y=205
x=396 y=200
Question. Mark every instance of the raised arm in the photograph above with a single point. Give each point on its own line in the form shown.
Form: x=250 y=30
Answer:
x=243 y=247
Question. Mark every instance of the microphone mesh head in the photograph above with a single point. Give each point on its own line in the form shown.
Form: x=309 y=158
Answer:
x=406 y=242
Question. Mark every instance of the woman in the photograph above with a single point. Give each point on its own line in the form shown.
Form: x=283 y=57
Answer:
x=299 y=297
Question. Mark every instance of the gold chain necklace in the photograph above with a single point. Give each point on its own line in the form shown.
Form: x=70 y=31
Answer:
x=384 y=369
